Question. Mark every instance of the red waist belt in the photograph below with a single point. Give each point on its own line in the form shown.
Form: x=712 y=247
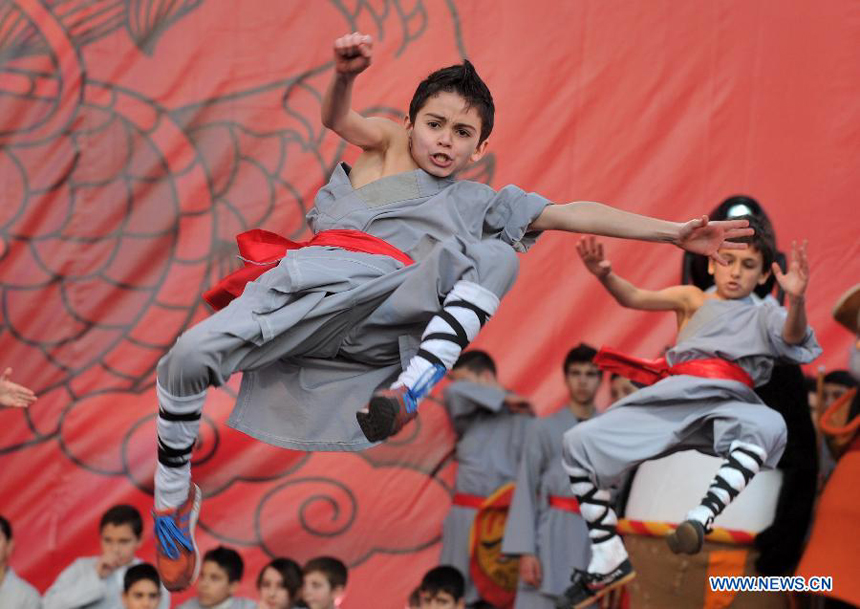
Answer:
x=261 y=250
x=476 y=501
x=649 y=372
x=568 y=504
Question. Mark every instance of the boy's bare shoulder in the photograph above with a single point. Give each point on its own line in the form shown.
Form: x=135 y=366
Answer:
x=689 y=295
x=393 y=128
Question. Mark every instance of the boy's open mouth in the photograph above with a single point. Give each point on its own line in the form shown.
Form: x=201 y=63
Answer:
x=440 y=159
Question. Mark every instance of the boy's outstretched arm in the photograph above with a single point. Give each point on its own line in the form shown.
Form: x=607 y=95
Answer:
x=679 y=298
x=352 y=55
x=699 y=236
x=794 y=283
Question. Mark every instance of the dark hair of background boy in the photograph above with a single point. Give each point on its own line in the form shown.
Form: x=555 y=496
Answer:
x=443 y=579
x=140 y=572
x=122 y=514
x=289 y=571
x=333 y=570
x=581 y=353
x=229 y=560
x=476 y=361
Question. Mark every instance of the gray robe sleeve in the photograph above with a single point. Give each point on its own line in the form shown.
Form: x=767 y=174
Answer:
x=16 y=593
x=77 y=586
x=463 y=399
x=521 y=526
x=774 y=317
x=509 y=215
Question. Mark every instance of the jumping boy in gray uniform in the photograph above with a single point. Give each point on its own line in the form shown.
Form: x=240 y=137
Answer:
x=357 y=308
x=491 y=424
x=702 y=399
x=544 y=527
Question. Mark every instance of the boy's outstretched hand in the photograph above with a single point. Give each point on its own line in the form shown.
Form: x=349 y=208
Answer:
x=591 y=252
x=13 y=394
x=794 y=282
x=701 y=236
x=352 y=53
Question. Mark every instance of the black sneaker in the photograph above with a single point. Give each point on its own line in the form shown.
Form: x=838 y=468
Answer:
x=688 y=538
x=587 y=587
x=386 y=414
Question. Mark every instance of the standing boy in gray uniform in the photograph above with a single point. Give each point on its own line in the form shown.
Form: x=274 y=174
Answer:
x=726 y=346
x=544 y=526
x=405 y=266
x=15 y=592
x=97 y=582
x=491 y=424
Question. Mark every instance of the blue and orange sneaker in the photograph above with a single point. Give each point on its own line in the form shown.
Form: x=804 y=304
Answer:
x=177 y=557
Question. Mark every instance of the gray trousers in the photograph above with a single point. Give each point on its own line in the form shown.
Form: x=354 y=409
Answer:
x=623 y=437
x=323 y=302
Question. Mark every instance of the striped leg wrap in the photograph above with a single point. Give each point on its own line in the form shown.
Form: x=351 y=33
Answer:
x=465 y=311
x=178 y=424
x=607 y=549
x=595 y=509
x=743 y=462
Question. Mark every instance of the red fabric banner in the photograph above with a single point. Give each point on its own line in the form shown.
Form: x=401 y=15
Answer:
x=138 y=138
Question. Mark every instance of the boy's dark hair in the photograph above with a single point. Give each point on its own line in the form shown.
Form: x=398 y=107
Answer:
x=138 y=572
x=229 y=560
x=581 y=353
x=476 y=361
x=840 y=377
x=444 y=579
x=6 y=528
x=463 y=80
x=763 y=240
x=289 y=570
x=333 y=569
x=122 y=514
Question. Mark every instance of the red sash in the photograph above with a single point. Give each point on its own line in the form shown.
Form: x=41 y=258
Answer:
x=262 y=250
x=649 y=372
x=469 y=501
x=567 y=504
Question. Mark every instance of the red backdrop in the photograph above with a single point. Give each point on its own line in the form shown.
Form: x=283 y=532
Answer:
x=136 y=138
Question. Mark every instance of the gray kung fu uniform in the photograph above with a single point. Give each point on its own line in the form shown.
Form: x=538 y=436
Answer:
x=689 y=412
x=559 y=538
x=234 y=602
x=317 y=334
x=15 y=593
x=490 y=442
x=79 y=585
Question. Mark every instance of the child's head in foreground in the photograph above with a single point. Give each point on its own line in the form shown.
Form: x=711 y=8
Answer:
x=324 y=580
x=746 y=269
x=450 y=118
x=279 y=584
x=120 y=531
x=220 y=575
x=141 y=587
x=442 y=588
